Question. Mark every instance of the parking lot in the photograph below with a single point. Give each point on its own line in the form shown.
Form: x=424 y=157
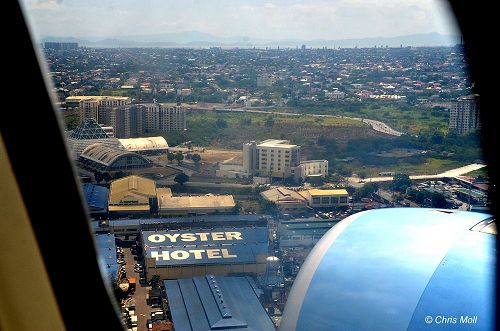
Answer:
x=140 y=296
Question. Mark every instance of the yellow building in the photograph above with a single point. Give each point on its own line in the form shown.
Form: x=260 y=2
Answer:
x=287 y=201
x=319 y=198
x=193 y=204
x=133 y=195
x=137 y=195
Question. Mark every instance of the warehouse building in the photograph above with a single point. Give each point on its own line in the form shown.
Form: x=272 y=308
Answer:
x=99 y=157
x=147 y=146
x=106 y=252
x=97 y=199
x=302 y=232
x=182 y=253
x=193 y=204
x=135 y=195
x=318 y=198
x=135 y=226
x=295 y=202
x=287 y=201
x=216 y=303
x=132 y=195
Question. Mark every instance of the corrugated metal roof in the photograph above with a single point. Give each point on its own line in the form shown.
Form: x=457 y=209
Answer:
x=96 y=197
x=144 y=144
x=169 y=203
x=214 y=303
x=132 y=188
x=106 y=253
x=202 y=255
x=206 y=246
x=319 y=192
x=106 y=155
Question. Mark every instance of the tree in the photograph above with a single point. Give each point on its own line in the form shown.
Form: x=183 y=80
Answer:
x=181 y=178
x=365 y=191
x=155 y=281
x=246 y=121
x=270 y=121
x=439 y=200
x=401 y=182
x=196 y=158
x=362 y=175
x=221 y=123
x=179 y=157
x=170 y=157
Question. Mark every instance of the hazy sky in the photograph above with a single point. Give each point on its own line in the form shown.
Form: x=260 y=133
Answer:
x=279 y=19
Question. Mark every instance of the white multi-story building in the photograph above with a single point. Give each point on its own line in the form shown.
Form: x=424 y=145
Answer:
x=273 y=158
x=312 y=168
x=464 y=115
x=279 y=158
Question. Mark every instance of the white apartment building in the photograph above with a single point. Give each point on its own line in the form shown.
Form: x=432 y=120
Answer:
x=272 y=158
x=312 y=168
x=464 y=115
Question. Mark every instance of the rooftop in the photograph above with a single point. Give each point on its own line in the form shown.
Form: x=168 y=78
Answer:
x=89 y=129
x=281 y=193
x=319 y=192
x=168 y=202
x=216 y=303
x=96 y=197
x=131 y=188
x=141 y=144
x=106 y=155
x=77 y=98
x=276 y=143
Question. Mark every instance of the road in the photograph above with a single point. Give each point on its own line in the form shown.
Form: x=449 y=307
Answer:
x=376 y=125
x=142 y=310
x=355 y=181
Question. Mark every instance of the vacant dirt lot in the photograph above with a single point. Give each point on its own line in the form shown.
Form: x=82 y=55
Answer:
x=222 y=156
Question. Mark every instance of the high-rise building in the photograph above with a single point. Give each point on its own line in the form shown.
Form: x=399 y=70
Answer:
x=464 y=115
x=128 y=121
x=250 y=157
x=273 y=158
x=161 y=117
x=97 y=107
x=60 y=45
x=279 y=158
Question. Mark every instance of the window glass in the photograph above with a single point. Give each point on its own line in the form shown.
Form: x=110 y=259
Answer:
x=173 y=108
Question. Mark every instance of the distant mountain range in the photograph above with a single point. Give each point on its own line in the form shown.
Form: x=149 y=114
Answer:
x=201 y=39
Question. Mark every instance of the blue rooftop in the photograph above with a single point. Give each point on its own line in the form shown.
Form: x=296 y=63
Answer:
x=96 y=197
x=106 y=253
x=206 y=246
x=216 y=303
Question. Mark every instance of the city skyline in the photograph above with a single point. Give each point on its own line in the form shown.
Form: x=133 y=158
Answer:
x=271 y=20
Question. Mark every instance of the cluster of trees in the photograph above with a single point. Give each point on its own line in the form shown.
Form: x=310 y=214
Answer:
x=365 y=191
x=365 y=151
x=426 y=198
x=106 y=177
x=179 y=157
x=175 y=156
